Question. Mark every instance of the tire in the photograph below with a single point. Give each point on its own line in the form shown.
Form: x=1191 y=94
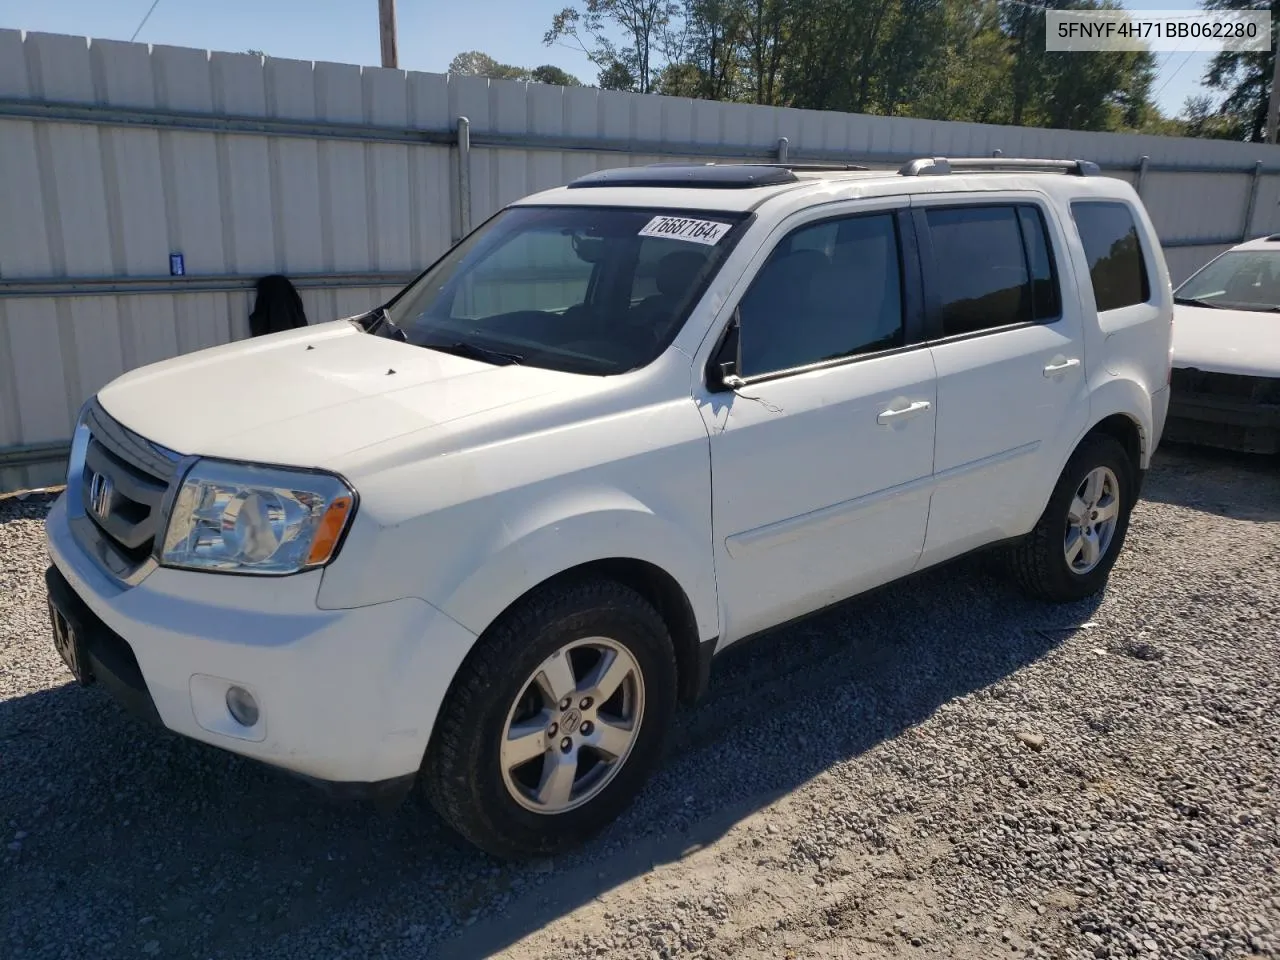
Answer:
x=1039 y=564
x=498 y=689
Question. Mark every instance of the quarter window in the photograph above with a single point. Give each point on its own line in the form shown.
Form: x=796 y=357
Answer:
x=829 y=290
x=1116 y=265
x=992 y=267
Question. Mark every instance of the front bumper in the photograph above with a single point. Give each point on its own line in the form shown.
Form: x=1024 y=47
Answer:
x=347 y=697
x=1224 y=422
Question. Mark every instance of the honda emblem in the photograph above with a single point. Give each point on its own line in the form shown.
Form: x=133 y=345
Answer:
x=100 y=495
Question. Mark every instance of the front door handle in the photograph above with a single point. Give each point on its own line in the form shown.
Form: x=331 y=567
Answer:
x=1060 y=366
x=904 y=413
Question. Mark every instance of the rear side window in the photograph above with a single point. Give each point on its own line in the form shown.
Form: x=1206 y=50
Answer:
x=1116 y=265
x=992 y=267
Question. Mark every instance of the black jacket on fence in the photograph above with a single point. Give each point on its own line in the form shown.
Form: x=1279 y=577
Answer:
x=277 y=307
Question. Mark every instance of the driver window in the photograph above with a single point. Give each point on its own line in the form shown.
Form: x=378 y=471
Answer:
x=536 y=270
x=828 y=290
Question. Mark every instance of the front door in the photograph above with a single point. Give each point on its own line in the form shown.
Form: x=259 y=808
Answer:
x=821 y=461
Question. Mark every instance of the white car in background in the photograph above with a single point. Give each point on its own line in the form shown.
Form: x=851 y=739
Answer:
x=1226 y=351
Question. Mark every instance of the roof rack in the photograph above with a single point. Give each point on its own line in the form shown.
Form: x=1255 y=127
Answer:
x=941 y=166
x=723 y=176
x=708 y=175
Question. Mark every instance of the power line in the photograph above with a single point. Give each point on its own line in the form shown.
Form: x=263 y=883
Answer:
x=1169 y=78
x=154 y=3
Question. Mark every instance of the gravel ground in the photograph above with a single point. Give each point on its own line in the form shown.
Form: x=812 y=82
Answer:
x=941 y=768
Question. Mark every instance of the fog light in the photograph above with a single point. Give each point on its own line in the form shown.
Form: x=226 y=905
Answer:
x=242 y=706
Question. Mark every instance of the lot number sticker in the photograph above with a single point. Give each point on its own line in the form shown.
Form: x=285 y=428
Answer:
x=708 y=232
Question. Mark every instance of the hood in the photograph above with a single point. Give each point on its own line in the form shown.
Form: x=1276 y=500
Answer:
x=1227 y=341
x=307 y=397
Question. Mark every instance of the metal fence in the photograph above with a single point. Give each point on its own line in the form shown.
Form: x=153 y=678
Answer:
x=114 y=156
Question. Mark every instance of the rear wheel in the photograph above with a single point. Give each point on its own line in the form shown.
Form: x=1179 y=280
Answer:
x=555 y=721
x=1070 y=553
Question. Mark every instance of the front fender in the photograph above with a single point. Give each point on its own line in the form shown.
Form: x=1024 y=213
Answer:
x=560 y=535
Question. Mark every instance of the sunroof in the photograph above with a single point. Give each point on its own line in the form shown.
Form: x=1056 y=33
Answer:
x=705 y=176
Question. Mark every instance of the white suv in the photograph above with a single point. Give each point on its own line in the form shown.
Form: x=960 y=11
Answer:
x=491 y=532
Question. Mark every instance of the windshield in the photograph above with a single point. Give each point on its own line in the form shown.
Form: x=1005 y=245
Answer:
x=1243 y=280
x=582 y=289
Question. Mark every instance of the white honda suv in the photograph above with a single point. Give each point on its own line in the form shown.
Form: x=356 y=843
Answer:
x=489 y=534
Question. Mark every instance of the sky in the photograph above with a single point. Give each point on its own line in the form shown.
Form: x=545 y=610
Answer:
x=430 y=32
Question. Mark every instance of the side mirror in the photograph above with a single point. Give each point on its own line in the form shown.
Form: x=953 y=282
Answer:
x=727 y=362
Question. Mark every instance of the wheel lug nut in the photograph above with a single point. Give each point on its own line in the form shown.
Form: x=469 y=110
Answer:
x=566 y=745
x=551 y=730
x=566 y=703
x=585 y=704
x=587 y=727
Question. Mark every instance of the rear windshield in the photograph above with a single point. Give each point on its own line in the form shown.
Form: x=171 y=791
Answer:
x=582 y=289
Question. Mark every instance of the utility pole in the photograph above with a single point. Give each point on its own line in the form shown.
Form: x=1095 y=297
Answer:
x=387 y=30
x=1273 y=105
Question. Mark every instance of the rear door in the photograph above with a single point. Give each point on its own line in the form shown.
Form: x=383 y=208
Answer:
x=820 y=463
x=1007 y=345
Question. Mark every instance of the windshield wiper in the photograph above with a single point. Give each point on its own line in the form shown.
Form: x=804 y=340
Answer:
x=1196 y=302
x=472 y=352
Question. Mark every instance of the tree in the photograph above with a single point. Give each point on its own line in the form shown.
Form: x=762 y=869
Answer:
x=474 y=63
x=1200 y=118
x=554 y=76
x=713 y=43
x=645 y=24
x=765 y=34
x=616 y=75
x=1245 y=76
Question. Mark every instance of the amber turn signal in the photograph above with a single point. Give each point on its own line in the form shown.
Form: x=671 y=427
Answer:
x=330 y=530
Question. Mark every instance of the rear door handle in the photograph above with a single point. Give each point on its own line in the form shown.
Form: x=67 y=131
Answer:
x=1060 y=366
x=904 y=413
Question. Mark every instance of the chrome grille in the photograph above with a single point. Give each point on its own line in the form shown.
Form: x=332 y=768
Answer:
x=124 y=484
x=1233 y=386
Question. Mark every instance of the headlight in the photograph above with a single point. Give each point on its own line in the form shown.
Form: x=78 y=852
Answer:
x=244 y=519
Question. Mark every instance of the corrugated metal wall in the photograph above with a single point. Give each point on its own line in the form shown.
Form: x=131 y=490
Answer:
x=115 y=155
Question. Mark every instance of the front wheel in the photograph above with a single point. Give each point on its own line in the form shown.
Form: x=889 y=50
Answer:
x=1069 y=554
x=555 y=720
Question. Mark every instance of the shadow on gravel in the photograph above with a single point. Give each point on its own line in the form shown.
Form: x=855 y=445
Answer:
x=133 y=840
x=1243 y=486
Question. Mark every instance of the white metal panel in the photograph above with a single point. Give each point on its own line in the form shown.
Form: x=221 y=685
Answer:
x=24 y=235
x=297 y=194
x=245 y=172
x=60 y=67
x=386 y=96
x=39 y=376
x=98 y=344
x=124 y=73
x=72 y=157
x=239 y=88
x=197 y=215
x=339 y=94
x=13 y=65
x=183 y=79
x=136 y=201
x=291 y=90
x=345 y=204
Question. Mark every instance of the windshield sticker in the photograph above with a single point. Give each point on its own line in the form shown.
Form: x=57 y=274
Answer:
x=707 y=232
